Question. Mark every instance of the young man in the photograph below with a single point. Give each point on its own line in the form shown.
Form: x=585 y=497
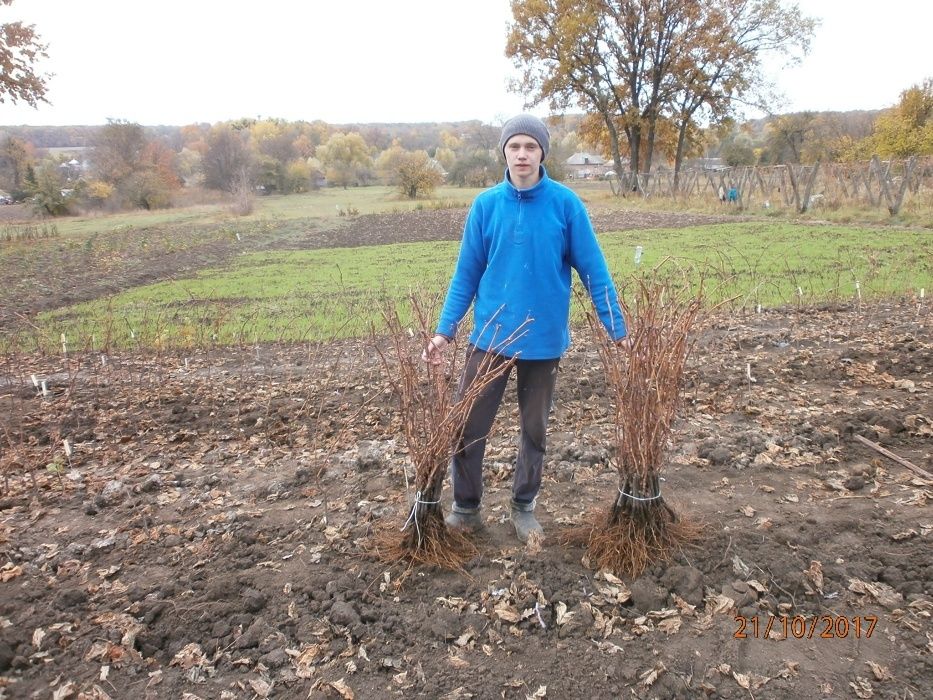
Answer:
x=521 y=239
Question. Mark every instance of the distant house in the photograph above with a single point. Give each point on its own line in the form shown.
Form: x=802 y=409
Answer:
x=585 y=165
x=73 y=169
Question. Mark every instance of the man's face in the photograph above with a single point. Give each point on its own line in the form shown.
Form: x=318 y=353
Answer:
x=523 y=157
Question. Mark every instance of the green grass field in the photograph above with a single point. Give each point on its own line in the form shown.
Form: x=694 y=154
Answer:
x=314 y=295
x=779 y=263
x=324 y=294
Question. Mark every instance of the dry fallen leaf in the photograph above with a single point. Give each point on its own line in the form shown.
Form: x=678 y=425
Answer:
x=740 y=567
x=64 y=691
x=720 y=603
x=609 y=577
x=815 y=576
x=9 y=572
x=560 y=611
x=882 y=592
x=341 y=687
x=99 y=651
x=881 y=672
x=535 y=543
x=670 y=625
x=191 y=655
x=614 y=591
x=304 y=661
x=649 y=677
x=683 y=606
x=791 y=668
x=457 y=661
x=862 y=688
x=261 y=687
x=506 y=612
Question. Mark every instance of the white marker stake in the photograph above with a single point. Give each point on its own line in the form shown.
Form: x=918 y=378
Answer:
x=103 y=360
x=748 y=372
x=35 y=381
x=45 y=389
x=67 y=448
x=64 y=345
x=186 y=363
x=638 y=251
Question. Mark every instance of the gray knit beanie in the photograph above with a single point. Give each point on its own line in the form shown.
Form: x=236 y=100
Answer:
x=529 y=125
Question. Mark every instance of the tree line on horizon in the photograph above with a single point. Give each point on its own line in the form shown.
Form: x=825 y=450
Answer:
x=655 y=81
x=126 y=165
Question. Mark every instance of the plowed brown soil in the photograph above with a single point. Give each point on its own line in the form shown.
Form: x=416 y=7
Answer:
x=209 y=535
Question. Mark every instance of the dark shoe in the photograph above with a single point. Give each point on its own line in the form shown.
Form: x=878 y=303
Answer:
x=467 y=519
x=524 y=520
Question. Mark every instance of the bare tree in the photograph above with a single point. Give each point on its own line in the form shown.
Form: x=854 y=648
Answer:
x=226 y=159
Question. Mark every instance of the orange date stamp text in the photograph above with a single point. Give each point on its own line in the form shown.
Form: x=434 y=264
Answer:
x=782 y=627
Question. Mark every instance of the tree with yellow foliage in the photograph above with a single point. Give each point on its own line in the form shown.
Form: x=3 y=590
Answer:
x=346 y=159
x=418 y=175
x=907 y=128
x=413 y=172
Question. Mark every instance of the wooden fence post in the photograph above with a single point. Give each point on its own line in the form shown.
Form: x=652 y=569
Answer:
x=895 y=207
x=793 y=184
x=806 y=195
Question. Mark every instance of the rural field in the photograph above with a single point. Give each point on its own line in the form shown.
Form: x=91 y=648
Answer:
x=198 y=448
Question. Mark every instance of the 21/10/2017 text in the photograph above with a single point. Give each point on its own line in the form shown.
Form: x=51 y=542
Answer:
x=799 y=627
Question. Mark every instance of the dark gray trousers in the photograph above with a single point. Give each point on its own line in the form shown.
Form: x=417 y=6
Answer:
x=536 y=380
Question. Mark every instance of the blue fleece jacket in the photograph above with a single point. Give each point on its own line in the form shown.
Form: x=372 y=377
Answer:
x=515 y=259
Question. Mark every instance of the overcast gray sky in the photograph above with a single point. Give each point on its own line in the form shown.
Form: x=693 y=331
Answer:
x=178 y=62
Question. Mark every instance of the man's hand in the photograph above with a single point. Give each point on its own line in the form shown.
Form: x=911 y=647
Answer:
x=434 y=351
